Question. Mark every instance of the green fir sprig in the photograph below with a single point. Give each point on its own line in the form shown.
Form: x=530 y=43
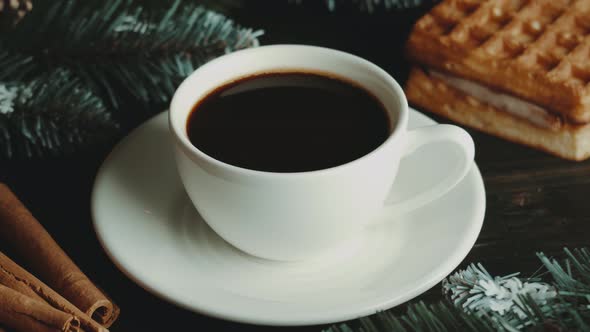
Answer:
x=118 y=47
x=480 y=302
x=119 y=52
x=51 y=113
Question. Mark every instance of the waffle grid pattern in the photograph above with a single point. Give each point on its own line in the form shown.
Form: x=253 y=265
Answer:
x=527 y=43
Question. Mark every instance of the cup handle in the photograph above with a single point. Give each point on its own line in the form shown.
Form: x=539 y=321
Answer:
x=432 y=134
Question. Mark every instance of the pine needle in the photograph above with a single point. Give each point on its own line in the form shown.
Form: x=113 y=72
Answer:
x=119 y=48
x=53 y=113
x=86 y=60
x=474 y=294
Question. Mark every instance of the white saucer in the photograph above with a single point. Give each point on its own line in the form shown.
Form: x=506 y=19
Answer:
x=151 y=231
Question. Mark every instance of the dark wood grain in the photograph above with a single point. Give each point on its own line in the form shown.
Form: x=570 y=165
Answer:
x=535 y=202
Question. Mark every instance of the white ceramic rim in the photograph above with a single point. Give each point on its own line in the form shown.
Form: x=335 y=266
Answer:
x=181 y=136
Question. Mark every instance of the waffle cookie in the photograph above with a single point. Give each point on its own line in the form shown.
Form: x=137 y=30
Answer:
x=513 y=68
x=566 y=140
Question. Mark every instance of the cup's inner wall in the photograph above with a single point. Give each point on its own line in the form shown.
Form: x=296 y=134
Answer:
x=271 y=59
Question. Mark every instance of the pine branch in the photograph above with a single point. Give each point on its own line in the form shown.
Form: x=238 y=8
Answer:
x=573 y=284
x=118 y=47
x=480 y=302
x=221 y=6
x=574 y=280
x=440 y=317
x=475 y=290
x=372 y=5
x=50 y=115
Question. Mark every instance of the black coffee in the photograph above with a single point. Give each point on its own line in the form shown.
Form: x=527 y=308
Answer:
x=288 y=122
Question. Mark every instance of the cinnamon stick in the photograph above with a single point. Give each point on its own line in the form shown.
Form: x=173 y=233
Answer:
x=28 y=239
x=17 y=278
x=25 y=314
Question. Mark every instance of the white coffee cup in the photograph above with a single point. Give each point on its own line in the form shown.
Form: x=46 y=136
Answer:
x=295 y=216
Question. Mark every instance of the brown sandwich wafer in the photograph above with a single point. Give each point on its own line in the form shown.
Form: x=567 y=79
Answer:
x=537 y=50
x=529 y=61
x=570 y=141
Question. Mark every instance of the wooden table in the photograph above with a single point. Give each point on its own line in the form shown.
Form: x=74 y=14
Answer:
x=535 y=202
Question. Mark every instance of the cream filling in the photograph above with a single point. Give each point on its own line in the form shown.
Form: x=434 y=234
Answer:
x=518 y=107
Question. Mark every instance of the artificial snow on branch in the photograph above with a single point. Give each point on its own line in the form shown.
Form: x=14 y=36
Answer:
x=52 y=113
x=480 y=302
x=117 y=52
x=8 y=95
x=475 y=290
x=118 y=47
